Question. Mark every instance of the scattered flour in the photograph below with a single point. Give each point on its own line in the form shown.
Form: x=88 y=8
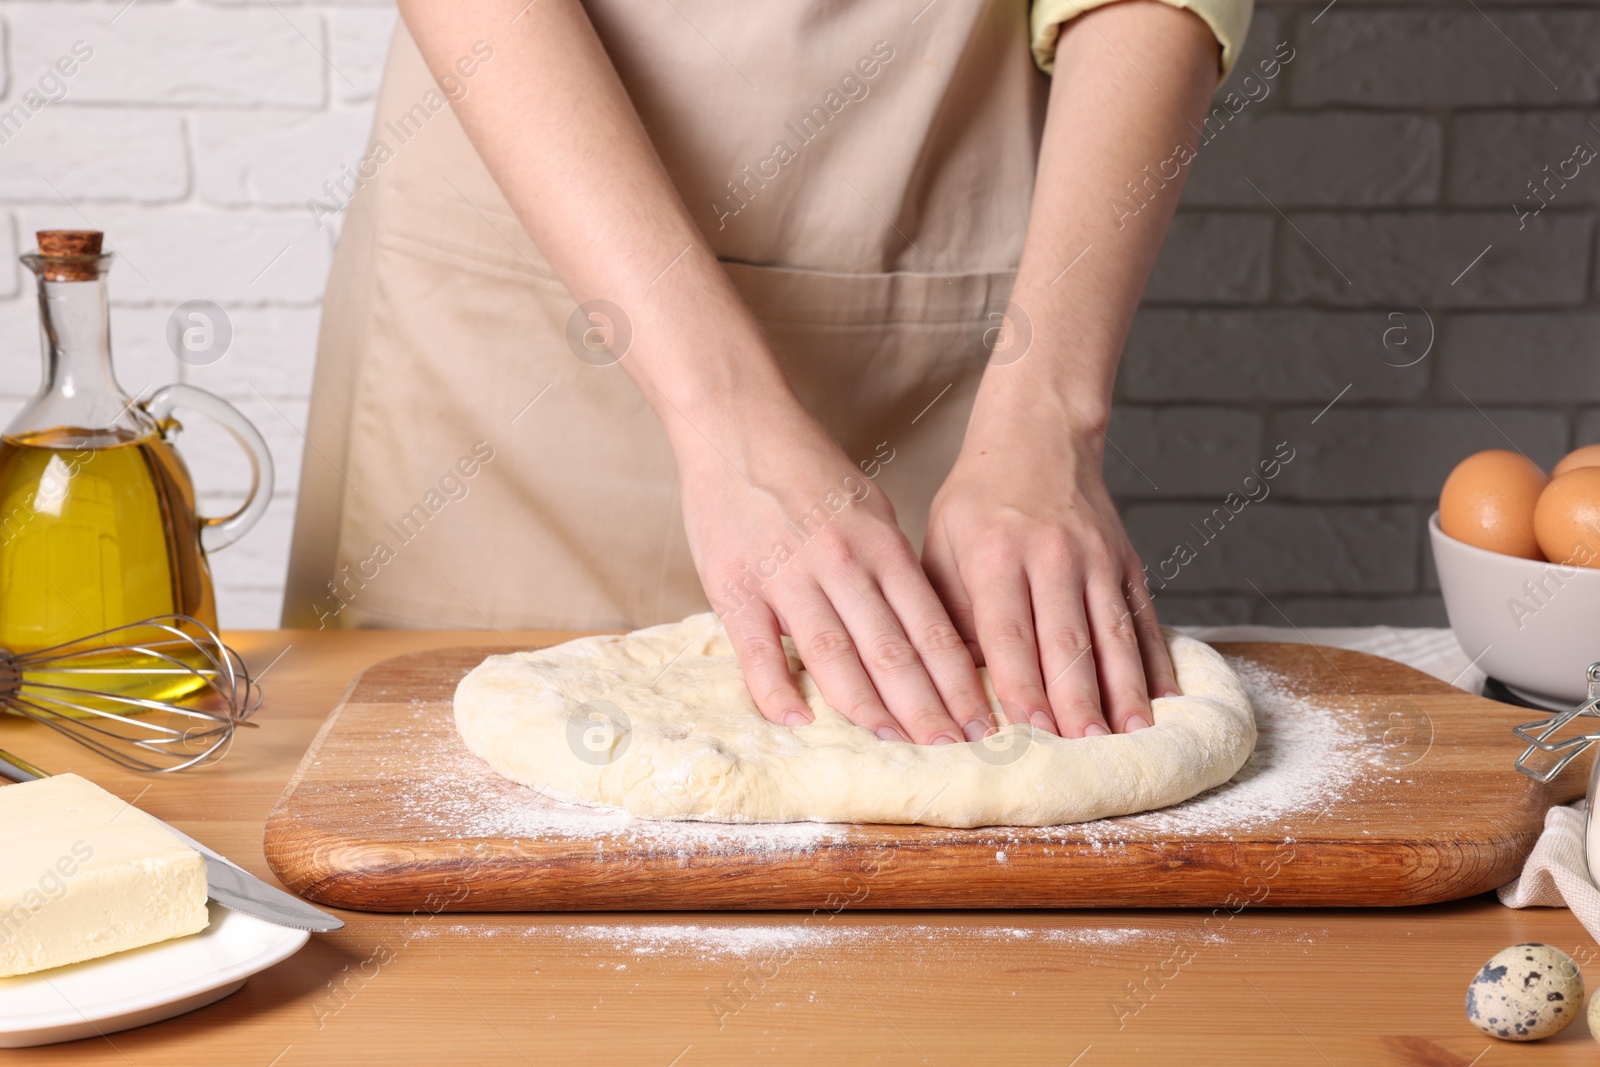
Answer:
x=738 y=940
x=1307 y=756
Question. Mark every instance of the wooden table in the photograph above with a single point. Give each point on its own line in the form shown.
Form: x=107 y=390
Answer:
x=1058 y=988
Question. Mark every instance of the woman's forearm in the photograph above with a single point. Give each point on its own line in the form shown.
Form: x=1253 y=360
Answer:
x=1130 y=79
x=554 y=124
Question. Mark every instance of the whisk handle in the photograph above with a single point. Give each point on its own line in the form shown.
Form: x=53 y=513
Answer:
x=17 y=769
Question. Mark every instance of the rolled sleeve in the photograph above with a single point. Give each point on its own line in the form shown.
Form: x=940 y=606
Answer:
x=1229 y=21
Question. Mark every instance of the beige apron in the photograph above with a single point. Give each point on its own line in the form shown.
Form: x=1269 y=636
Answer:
x=465 y=468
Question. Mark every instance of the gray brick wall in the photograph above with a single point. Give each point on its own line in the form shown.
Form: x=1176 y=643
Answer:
x=1366 y=201
x=1372 y=191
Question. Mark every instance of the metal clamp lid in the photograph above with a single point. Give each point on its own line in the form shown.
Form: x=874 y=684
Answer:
x=1538 y=733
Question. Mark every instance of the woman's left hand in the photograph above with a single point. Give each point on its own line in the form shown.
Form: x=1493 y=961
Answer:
x=1026 y=549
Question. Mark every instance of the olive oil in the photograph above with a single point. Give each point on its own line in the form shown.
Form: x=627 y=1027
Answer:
x=98 y=529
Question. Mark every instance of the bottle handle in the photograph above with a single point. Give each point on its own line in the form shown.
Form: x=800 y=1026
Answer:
x=221 y=532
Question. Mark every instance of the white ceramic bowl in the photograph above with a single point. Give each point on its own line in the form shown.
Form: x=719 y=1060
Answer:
x=1534 y=626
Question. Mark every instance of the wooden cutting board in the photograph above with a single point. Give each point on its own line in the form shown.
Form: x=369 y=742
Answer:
x=1372 y=784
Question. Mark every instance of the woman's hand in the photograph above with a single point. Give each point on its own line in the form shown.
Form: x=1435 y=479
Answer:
x=1026 y=550
x=565 y=144
x=1023 y=543
x=790 y=537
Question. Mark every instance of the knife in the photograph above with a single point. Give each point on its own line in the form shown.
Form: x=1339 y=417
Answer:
x=226 y=882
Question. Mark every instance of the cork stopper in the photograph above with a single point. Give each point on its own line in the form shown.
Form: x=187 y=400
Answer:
x=78 y=253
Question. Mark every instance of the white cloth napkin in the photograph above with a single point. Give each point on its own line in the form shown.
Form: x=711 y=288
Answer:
x=1557 y=871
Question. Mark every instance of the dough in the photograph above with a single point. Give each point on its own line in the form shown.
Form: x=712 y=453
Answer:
x=659 y=722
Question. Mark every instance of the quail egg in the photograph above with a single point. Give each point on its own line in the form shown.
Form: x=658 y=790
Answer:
x=1525 y=993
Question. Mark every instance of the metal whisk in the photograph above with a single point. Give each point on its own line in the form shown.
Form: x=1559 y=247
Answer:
x=117 y=692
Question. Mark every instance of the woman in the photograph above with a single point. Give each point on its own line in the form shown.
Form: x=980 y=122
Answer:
x=641 y=304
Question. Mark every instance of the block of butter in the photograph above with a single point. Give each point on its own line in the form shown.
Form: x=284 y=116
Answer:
x=86 y=874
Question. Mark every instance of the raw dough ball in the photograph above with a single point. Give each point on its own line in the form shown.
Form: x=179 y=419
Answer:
x=659 y=722
x=1594 y=1018
x=1525 y=993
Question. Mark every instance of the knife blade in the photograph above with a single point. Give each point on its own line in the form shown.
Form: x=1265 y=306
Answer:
x=226 y=882
x=237 y=889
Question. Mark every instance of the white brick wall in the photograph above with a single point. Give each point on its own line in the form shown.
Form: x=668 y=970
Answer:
x=1393 y=146
x=192 y=135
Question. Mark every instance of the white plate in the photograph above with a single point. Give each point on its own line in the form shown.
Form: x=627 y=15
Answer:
x=142 y=985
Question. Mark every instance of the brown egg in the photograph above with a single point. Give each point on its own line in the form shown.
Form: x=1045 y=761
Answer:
x=1488 y=501
x=1567 y=518
x=1587 y=456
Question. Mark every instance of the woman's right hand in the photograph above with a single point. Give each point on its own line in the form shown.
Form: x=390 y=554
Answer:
x=790 y=537
x=558 y=132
